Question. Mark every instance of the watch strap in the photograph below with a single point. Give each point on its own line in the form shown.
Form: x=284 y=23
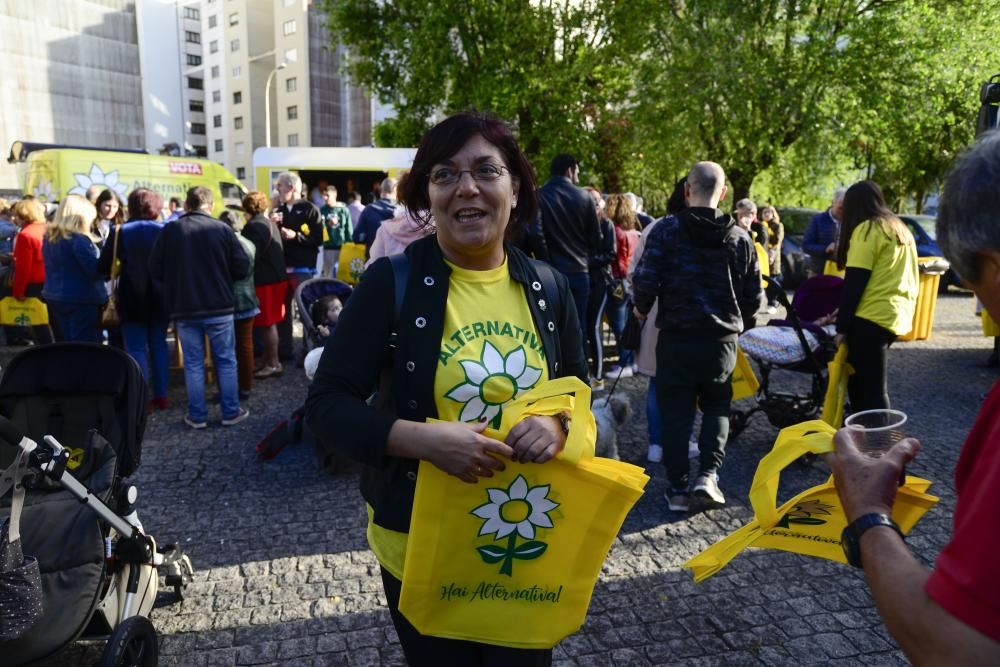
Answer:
x=853 y=532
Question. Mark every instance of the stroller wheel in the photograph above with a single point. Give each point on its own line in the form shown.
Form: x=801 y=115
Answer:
x=132 y=644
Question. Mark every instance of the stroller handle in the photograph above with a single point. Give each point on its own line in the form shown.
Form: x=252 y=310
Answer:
x=9 y=432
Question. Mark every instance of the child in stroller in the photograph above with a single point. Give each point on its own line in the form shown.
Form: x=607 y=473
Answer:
x=313 y=315
x=325 y=313
x=77 y=411
x=801 y=343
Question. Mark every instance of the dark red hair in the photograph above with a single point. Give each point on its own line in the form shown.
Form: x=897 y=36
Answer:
x=144 y=204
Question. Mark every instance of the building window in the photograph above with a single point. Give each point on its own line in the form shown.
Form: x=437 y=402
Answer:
x=218 y=145
x=196 y=105
x=215 y=71
x=293 y=140
x=193 y=60
x=197 y=128
x=290 y=84
x=192 y=13
x=193 y=37
x=213 y=46
x=216 y=121
x=238 y=122
x=234 y=19
x=234 y=45
x=241 y=173
x=293 y=112
x=292 y=55
x=195 y=83
x=213 y=21
x=289 y=27
x=236 y=72
x=200 y=151
x=216 y=96
x=237 y=97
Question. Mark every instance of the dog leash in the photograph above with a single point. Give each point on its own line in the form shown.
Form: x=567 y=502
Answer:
x=614 y=386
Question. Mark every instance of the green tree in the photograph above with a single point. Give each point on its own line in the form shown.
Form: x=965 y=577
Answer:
x=558 y=70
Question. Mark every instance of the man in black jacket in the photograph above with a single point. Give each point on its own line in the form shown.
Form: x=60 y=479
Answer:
x=702 y=267
x=570 y=235
x=301 y=228
x=197 y=258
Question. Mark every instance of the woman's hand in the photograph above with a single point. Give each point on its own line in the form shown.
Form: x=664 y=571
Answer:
x=536 y=439
x=462 y=450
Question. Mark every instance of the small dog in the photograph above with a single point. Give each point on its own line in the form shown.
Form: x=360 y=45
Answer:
x=609 y=415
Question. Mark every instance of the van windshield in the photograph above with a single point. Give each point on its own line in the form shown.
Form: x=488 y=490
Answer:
x=232 y=194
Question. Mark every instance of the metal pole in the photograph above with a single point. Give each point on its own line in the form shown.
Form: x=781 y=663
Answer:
x=267 y=108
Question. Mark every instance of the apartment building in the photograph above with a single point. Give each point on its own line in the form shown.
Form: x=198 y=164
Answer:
x=269 y=63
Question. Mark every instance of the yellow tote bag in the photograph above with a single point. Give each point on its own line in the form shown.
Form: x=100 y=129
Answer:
x=513 y=560
x=352 y=263
x=990 y=328
x=811 y=522
x=28 y=313
x=745 y=383
x=830 y=268
x=838 y=372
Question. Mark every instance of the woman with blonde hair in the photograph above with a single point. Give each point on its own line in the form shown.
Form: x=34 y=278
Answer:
x=74 y=289
x=775 y=235
x=620 y=212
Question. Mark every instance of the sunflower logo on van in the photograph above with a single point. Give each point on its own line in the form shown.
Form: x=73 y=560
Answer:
x=492 y=382
x=806 y=513
x=43 y=191
x=511 y=513
x=97 y=176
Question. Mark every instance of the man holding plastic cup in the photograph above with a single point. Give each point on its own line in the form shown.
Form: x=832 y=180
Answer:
x=950 y=615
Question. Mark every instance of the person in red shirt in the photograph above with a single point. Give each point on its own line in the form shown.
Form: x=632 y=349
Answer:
x=29 y=269
x=951 y=615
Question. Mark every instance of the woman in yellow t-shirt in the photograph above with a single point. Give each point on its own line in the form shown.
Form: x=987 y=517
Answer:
x=880 y=290
x=478 y=324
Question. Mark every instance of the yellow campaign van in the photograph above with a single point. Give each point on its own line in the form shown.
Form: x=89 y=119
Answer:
x=346 y=169
x=52 y=173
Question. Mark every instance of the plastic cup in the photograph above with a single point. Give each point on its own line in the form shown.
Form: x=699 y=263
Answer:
x=881 y=428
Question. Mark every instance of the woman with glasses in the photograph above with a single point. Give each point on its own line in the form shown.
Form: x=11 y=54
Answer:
x=479 y=324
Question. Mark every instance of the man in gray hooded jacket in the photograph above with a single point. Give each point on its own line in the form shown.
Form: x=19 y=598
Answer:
x=703 y=269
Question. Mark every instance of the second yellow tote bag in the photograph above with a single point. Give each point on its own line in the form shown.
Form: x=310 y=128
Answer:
x=29 y=312
x=352 y=263
x=513 y=560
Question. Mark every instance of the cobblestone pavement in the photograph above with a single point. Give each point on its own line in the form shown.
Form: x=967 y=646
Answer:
x=284 y=576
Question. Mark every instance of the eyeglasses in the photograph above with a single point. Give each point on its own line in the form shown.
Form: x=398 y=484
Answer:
x=484 y=172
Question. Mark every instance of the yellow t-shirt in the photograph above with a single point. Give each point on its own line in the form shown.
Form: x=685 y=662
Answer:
x=890 y=297
x=490 y=353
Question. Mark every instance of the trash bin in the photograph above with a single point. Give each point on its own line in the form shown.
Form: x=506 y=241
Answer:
x=931 y=270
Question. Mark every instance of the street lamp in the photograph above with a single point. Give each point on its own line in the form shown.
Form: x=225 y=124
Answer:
x=267 y=104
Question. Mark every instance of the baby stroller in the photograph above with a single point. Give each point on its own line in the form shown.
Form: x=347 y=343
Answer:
x=306 y=295
x=79 y=411
x=813 y=345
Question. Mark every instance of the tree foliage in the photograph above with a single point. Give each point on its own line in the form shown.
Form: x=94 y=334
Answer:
x=790 y=96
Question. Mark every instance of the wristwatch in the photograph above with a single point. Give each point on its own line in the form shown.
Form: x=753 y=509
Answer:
x=564 y=421
x=850 y=539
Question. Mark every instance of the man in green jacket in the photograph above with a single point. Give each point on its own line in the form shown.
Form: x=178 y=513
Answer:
x=337 y=223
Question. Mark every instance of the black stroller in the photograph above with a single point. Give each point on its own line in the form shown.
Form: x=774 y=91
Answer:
x=306 y=296
x=817 y=297
x=79 y=411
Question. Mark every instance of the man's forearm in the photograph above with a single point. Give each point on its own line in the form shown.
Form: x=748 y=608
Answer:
x=927 y=633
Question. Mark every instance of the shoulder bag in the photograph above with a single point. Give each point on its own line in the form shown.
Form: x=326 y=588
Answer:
x=109 y=316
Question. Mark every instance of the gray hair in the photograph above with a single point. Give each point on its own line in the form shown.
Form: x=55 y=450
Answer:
x=706 y=179
x=199 y=198
x=969 y=210
x=388 y=186
x=746 y=205
x=838 y=195
x=290 y=178
x=632 y=200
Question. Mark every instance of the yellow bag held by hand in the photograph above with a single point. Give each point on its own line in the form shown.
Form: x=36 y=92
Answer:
x=513 y=560
x=352 y=263
x=30 y=312
x=811 y=522
x=744 y=381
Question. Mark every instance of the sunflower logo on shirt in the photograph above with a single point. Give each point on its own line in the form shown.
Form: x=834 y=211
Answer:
x=492 y=382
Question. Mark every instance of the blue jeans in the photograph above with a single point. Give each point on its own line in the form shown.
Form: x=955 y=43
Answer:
x=145 y=341
x=79 y=322
x=617 y=313
x=579 y=287
x=654 y=424
x=221 y=333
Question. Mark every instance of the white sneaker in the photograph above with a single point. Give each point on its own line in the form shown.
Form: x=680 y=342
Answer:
x=693 y=451
x=655 y=454
x=678 y=500
x=706 y=487
x=616 y=372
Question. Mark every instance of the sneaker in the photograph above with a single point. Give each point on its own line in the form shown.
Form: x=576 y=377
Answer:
x=706 y=487
x=655 y=454
x=269 y=371
x=596 y=384
x=616 y=372
x=237 y=418
x=678 y=500
x=193 y=424
x=771 y=310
